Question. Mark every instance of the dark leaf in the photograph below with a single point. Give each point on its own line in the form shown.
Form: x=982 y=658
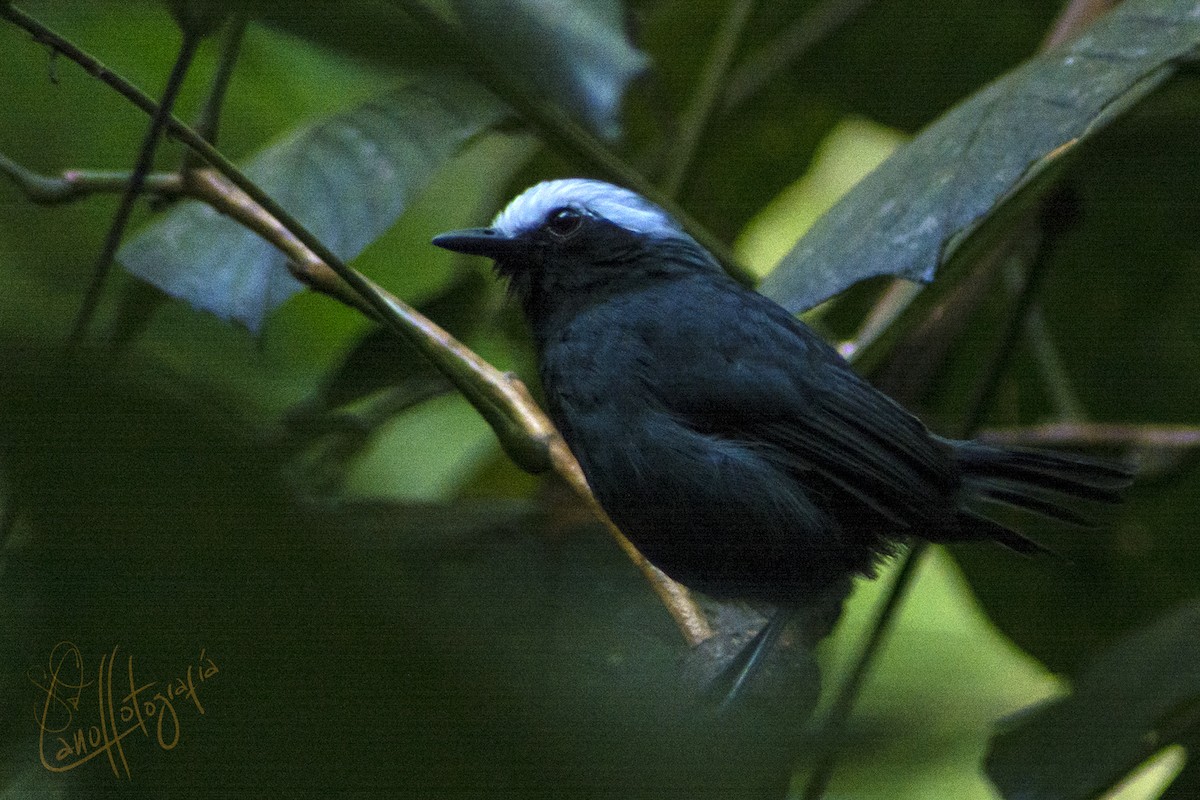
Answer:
x=910 y=215
x=1135 y=699
x=1118 y=310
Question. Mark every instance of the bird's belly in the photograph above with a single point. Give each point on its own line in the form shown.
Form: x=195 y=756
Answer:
x=711 y=513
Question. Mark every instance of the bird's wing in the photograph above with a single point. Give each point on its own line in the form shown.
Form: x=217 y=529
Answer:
x=774 y=385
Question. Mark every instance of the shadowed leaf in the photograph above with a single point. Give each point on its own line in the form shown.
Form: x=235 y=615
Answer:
x=910 y=215
x=1135 y=699
x=575 y=53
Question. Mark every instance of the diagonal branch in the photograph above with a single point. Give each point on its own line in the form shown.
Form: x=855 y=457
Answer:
x=765 y=64
x=525 y=433
x=208 y=121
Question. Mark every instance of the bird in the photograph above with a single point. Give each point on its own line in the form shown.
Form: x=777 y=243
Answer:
x=736 y=449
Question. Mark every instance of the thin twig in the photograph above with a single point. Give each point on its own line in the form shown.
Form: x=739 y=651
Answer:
x=712 y=81
x=764 y=65
x=1095 y=434
x=834 y=728
x=1078 y=14
x=1066 y=402
x=1007 y=348
x=208 y=121
x=116 y=231
x=891 y=304
x=76 y=184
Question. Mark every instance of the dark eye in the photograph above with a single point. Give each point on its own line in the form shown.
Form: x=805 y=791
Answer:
x=562 y=222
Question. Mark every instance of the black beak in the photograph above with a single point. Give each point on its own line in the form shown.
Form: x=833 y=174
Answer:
x=479 y=242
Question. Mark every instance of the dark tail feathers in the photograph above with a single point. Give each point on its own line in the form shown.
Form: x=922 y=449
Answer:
x=1034 y=480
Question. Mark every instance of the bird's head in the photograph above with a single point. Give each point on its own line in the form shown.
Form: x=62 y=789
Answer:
x=561 y=238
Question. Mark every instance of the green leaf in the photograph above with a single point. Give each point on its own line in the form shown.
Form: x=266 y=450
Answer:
x=910 y=215
x=1138 y=697
x=575 y=53
x=347 y=178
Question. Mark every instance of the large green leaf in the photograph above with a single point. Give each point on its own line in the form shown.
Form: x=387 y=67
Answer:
x=347 y=178
x=910 y=215
x=1135 y=699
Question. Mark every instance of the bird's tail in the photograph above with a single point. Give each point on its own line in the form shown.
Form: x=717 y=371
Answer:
x=1040 y=481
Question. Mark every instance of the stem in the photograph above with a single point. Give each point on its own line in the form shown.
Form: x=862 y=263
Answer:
x=898 y=296
x=116 y=231
x=209 y=119
x=1067 y=405
x=834 y=727
x=1074 y=18
x=695 y=120
x=1018 y=319
x=1096 y=434
x=764 y=65
x=89 y=63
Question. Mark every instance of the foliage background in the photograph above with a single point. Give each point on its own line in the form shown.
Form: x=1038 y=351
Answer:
x=394 y=607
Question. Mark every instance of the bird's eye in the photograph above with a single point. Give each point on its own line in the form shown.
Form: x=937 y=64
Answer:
x=562 y=222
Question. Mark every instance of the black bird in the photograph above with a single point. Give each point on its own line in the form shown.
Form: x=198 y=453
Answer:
x=738 y=451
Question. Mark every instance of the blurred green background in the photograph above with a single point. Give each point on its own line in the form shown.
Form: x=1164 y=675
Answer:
x=394 y=608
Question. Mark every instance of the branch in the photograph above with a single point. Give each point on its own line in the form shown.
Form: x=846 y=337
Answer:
x=843 y=704
x=1046 y=356
x=895 y=299
x=1078 y=14
x=209 y=119
x=309 y=269
x=76 y=184
x=1096 y=434
x=525 y=433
